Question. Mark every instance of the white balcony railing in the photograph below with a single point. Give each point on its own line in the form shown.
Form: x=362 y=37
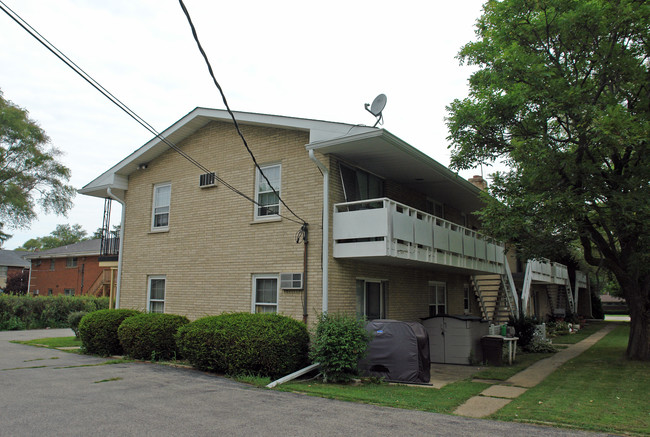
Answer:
x=385 y=228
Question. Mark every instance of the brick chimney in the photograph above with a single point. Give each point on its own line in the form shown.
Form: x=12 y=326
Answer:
x=478 y=182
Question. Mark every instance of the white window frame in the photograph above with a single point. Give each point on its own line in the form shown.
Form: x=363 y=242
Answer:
x=67 y=292
x=362 y=298
x=258 y=193
x=436 y=285
x=254 y=303
x=151 y=278
x=154 y=206
x=71 y=262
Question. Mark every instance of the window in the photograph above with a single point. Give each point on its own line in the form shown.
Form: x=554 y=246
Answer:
x=265 y=294
x=466 y=301
x=52 y=264
x=156 y=294
x=67 y=291
x=435 y=208
x=372 y=299
x=69 y=262
x=268 y=202
x=360 y=185
x=49 y=292
x=160 y=211
x=437 y=298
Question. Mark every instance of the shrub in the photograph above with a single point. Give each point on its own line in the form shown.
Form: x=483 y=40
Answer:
x=74 y=319
x=98 y=331
x=340 y=341
x=29 y=312
x=242 y=343
x=150 y=336
x=524 y=329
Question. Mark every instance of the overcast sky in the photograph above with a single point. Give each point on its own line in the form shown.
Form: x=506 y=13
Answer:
x=320 y=60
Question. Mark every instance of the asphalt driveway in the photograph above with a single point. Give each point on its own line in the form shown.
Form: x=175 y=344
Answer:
x=50 y=392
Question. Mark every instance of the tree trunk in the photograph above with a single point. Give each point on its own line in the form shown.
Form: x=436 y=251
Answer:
x=638 y=301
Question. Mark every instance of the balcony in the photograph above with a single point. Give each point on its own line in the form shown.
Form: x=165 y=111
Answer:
x=109 y=249
x=547 y=272
x=385 y=231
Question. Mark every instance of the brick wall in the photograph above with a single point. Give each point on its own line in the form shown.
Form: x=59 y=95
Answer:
x=213 y=246
x=44 y=278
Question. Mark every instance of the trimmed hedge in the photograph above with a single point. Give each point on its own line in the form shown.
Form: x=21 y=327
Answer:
x=243 y=343
x=74 y=319
x=98 y=331
x=29 y=312
x=151 y=336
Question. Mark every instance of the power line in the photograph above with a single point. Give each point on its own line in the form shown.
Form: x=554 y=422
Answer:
x=56 y=52
x=225 y=102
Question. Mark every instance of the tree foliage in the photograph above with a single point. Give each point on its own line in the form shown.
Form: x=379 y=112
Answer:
x=30 y=174
x=562 y=97
x=61 y=236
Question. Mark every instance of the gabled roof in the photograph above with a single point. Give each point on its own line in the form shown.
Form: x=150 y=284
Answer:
x=373 y=149
x=117 y=176
x=84 y=248
x=13 y=258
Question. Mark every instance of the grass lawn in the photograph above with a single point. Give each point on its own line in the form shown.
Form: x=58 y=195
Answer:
x=582 y=333
x=599 y=390
x=444 y=400
x=54 y=342
x=501 y=373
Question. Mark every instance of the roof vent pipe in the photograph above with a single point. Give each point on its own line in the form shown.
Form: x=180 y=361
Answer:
x=326 y=225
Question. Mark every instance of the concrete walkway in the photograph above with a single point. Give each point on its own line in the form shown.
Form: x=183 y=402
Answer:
x=494 y=398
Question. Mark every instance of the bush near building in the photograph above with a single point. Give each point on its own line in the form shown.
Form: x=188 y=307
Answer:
x=29 y=312
x=340 y=341
x=242 y=343
x=98 y=331
x=151 y=336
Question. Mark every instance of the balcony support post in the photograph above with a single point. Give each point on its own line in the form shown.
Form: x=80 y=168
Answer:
x=121 y=252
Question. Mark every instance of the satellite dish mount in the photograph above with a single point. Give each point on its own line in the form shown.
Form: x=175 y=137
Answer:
x=376 y=108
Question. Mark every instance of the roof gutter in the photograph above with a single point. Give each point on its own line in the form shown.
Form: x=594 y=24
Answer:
x=326 y=226
x=121 y=249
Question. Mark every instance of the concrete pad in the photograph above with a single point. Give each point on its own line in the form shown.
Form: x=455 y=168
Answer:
x=481 y=406
x=503 y=391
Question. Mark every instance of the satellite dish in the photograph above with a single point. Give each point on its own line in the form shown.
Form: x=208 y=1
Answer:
x=377 y=107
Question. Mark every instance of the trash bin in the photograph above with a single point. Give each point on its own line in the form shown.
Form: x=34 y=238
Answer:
x=492 y=349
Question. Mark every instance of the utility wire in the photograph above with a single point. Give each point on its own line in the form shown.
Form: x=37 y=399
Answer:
x=225 y=102
x=52 y=48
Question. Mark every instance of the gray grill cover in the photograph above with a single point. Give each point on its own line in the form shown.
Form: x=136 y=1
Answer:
x=398 y=351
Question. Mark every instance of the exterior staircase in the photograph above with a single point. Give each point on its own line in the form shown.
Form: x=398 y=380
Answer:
x=101 y=286
x=494 y=299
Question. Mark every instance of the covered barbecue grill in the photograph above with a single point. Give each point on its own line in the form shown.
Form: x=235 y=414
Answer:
x=398 y=351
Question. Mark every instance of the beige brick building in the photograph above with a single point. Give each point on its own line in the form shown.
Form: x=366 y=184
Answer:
x=401 y=237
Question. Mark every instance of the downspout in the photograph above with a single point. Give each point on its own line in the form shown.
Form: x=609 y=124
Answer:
x=326 y=226
x=120 y=250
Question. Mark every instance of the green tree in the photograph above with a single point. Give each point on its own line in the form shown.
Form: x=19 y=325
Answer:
x=30 y=175
x=561 y=95
x=61 y=236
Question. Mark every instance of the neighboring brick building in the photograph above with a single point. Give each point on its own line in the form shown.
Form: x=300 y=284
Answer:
x=401 y=239
x=12 y=264
x=71 y=270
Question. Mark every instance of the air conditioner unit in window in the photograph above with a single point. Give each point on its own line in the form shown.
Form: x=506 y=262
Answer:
x=207 y=180
x=291 y=281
